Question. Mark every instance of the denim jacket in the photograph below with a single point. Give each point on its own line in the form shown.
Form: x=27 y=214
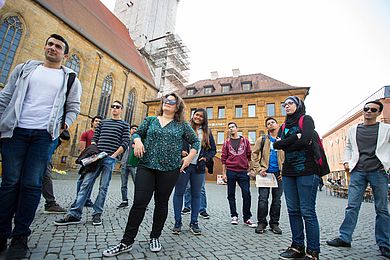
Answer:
x=14 y=93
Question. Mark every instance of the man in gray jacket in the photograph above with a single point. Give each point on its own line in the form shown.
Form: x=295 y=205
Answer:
x=31 y=111
x=366 y=154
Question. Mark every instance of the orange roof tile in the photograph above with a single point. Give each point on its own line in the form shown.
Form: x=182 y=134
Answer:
x=99 y=25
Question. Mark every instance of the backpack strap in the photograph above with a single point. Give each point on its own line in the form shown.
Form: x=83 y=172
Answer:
x=71 y=79
x=300 y=122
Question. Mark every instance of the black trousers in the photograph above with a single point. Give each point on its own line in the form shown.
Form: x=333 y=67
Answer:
x=47 y=186
x=149 y=182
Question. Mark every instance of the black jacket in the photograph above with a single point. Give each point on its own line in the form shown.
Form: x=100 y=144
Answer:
x=87 y=152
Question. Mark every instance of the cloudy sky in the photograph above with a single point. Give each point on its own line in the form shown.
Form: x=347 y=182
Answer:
x=339 y=48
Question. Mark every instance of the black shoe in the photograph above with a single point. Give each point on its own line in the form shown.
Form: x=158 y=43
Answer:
x=176 y=229
x=185 y=211
x=276 y=229
x=54 y=208
x=18 y=248
x=293 y=252
x=123 y=205
x=311 y=255
x=260 y=229
x=204 y=215
x=385 y=251
x=337 y=242
x=67 y=220
x=88 y=204
x=97 y=220
x=3 y=244
x=194 y=228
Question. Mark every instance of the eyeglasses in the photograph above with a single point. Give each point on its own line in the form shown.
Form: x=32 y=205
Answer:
x=169 y=101
x=116 y=106
x=289 y=103
x=373 y=109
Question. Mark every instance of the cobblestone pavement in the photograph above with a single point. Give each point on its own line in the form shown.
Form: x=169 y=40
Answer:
x=219 y=240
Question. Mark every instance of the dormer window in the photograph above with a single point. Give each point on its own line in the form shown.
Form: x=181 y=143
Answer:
x=246 y=86
x=226 y=88
x=191 y=91
x=208 y=89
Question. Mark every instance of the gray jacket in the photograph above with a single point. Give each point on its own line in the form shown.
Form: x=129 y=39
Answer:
x=13 y=95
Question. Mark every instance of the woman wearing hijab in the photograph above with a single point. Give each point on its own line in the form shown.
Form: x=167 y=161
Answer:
x=300 y=180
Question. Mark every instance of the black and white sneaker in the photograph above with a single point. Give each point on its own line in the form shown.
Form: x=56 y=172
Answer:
x=97 y=220
x=204 y=215
x=116 y=250
x=194 y=228
x=185 y=211
x=123 y=205
x=67 y=220
x=155 y=245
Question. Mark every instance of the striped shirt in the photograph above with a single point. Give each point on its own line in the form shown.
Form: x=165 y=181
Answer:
x=111 y=134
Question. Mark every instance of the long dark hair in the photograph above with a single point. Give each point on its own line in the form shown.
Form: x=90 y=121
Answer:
x=205 y=128
x=179 y=114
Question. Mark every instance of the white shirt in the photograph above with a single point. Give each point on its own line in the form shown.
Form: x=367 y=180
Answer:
x=41 y=92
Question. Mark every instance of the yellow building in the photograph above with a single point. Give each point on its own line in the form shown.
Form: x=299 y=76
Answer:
x=101 y=52
x=245 y=99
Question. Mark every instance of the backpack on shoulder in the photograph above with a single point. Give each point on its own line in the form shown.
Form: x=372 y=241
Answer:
x=318 y=149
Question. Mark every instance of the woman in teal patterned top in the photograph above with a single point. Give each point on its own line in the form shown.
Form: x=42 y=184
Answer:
x=158 y=169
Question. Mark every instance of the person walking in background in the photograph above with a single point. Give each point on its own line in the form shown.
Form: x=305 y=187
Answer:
x=111 y=136
x=129 y=166
x=236 y=155
x=84 y=142
x=267 y=160
x=194 y=173
x=32 y=108
x=158 y=169
x=367 y=155
x=300 y=180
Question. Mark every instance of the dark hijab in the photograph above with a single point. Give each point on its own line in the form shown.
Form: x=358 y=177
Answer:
x=292 y=120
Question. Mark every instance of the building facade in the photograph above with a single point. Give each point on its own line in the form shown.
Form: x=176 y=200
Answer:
x=245 y=99
x=334 y=140
x=108 y=69
x=151 y=24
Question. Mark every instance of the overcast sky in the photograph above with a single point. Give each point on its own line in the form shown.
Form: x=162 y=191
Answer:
x=339 y=48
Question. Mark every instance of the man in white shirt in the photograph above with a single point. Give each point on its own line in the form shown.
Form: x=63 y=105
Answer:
x=31 y=112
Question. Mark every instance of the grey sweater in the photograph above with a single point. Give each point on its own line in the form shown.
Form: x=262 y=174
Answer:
x=13 y=95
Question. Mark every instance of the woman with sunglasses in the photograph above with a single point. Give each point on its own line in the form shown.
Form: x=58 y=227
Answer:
x=195 y=172
x=300 y=180
x=158 y=169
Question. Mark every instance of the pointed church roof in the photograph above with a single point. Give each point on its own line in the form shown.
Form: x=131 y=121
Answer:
x=95 y=22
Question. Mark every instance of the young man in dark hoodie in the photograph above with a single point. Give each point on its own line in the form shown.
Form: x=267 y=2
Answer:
x=236 y=155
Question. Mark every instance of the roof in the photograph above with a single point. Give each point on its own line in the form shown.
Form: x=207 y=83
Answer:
x=95 y=22
x=260 y=83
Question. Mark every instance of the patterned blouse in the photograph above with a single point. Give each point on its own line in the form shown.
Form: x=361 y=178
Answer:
x=163 y=145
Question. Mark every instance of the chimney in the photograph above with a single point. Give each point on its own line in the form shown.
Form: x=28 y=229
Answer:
x=214 y=74
x=236 y=72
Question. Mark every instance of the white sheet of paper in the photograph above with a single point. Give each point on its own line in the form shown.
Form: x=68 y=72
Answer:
x=267 y=181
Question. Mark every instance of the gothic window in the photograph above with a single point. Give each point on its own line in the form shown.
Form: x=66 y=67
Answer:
x=73 y=63
x=10 y=35
x=130 y=106
x=105 y=96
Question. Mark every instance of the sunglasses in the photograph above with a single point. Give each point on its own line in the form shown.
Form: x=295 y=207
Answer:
x=116 y=106
x=289 y=103
x=373 y=109
x=169 y=101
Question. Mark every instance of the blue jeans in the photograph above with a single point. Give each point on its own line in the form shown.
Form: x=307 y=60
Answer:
x=301 y=193
x=24 y=158
x=125 y=178
x=105 y=168
x=243 y=181
x=78 y=185
x=379 y=182
x=203 y=198
x=196 y=179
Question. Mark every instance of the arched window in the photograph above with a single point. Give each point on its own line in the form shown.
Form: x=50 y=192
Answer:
x=130 y=106
x=105 y=96
x=73 y=63
x=10 y=35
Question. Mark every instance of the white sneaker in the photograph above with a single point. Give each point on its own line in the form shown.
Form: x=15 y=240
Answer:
x=234 y=221
x=155 y=245
x=116 y=250
x=250 y=223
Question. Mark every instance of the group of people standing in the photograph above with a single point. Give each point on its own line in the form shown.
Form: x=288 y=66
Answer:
x=166 y=152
